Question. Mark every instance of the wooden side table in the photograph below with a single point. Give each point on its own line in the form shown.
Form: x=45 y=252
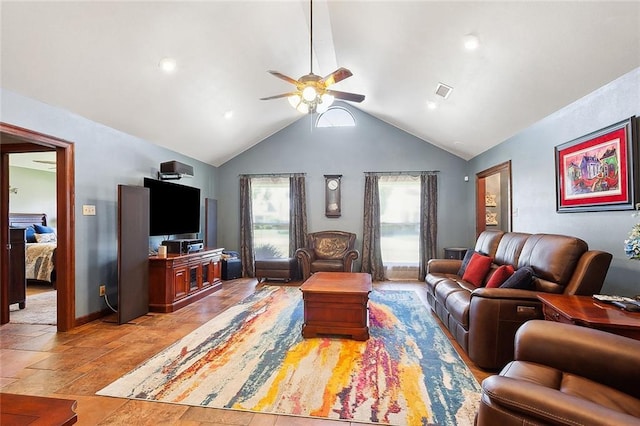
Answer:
x=36 y=410
x=455 y=252
x=588 y=312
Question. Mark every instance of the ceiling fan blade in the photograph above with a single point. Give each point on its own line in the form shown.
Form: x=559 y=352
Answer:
x=353 y=97
x=336 y=76
x=284 y=77
x=283 y=95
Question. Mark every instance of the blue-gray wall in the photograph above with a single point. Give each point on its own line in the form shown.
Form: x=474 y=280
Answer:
x=36 y=192
x=104 y=159
x=371 y=145
x=533 y=167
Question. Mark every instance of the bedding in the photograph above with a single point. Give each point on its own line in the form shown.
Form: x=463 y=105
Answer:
x=40 y=261
x=40 y=246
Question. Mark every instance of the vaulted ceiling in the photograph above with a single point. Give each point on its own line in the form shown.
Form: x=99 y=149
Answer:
x=100 y=60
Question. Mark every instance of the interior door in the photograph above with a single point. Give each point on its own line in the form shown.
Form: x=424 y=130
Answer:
x=15 y=139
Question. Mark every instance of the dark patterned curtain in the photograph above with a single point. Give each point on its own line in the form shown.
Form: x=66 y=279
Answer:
x=371 y=252
x=428 y=220
x=246 y=227
x=298 y=213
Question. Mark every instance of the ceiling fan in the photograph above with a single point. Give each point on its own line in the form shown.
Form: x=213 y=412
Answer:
x=312 y=92
x=50 y=162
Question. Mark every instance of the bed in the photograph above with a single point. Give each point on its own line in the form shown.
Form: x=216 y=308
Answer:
x=40 y=247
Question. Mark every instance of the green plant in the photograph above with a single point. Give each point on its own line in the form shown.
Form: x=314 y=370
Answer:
x=632 y=243
x=267 y=251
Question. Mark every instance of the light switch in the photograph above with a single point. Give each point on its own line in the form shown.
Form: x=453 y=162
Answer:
x=88 y=210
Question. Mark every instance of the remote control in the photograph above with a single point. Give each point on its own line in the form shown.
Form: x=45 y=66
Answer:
x=627 y=306
x=610 y=299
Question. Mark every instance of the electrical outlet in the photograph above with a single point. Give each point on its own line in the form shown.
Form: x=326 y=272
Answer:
x=102 y=290
x=88 y=210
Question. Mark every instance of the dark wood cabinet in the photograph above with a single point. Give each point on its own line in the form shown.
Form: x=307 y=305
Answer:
x=178 y=280
x=17 y=264
x=455 y=253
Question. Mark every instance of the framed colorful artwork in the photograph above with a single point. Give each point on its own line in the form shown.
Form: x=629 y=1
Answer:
x=598 y=171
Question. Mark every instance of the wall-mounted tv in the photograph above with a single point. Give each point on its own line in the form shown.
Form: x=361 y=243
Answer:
x=173 y=209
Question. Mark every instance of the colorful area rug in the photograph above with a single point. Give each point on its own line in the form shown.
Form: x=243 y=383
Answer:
x=252 y=357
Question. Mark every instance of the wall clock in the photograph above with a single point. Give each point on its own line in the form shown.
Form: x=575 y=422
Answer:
x=332 y=195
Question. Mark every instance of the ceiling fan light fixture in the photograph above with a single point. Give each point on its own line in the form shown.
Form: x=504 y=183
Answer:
x=326 y=100
x=294 y=100
x=303 y=107
x=309 y=93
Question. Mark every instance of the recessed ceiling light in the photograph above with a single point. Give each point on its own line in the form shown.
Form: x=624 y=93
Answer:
x=432 y=105
x=167 y=65
x=228 y=114
x=471 y=42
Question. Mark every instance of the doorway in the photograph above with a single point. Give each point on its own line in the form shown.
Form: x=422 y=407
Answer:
x=493 y=202
x=14 y=139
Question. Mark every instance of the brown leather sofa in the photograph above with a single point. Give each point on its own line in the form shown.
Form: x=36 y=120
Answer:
x=484 y=320
x=327 y=251
x=565 y=375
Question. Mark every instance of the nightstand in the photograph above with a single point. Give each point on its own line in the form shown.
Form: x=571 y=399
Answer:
x=455 y=252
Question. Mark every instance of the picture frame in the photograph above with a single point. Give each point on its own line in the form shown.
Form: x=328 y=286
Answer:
x=598 y=171
x=490 y=200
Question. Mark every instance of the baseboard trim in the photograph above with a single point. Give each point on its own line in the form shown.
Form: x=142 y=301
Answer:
x=92 y=317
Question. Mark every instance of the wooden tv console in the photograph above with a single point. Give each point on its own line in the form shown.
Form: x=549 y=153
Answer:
x=180 y=279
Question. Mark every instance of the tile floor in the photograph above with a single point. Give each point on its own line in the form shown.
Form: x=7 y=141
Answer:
x=36 y=360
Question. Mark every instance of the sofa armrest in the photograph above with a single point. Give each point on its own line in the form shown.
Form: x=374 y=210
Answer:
x=348 y=259
x=305 y=257
x=495 y=314
x=597 y=355
x=505 y=293
x=443 y=266
x=543 y=405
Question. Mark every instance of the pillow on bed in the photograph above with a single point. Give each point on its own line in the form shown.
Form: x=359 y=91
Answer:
x=46 y=238
x=30 y=234
x=40 y=229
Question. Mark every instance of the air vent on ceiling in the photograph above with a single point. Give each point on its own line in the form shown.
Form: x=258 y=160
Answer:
x=443 y=90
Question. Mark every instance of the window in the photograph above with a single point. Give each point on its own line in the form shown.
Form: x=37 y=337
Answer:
x=336 y=117
x=270 y=205
x=400 y=225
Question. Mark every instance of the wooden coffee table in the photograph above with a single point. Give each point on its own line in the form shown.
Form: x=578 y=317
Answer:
x=335 y=303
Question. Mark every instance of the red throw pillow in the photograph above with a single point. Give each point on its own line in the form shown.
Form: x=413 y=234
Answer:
x=477 y=269
x=500 y=275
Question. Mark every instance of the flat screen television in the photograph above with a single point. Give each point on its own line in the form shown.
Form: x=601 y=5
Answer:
x=173 y=209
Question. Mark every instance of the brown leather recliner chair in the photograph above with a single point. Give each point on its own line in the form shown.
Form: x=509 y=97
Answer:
x=565 y=375
x=327 y=251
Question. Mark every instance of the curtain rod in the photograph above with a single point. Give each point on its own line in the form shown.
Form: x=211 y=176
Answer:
x=259 y=175
x=417 y=172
